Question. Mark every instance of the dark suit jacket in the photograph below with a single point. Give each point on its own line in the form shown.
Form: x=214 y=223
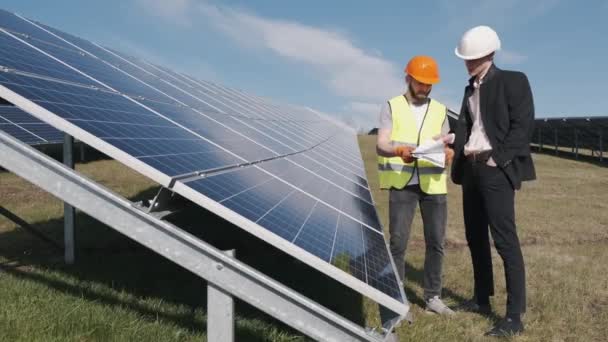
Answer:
x=507 y=112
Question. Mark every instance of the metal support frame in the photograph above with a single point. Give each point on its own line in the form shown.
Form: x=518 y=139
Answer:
x=82 y=151
x=556 y=142
x=165 y=203
x=220 y=312
x=601 y=146
x=223 y=272
x=572 y=147
x=69 y=212
x=161 y=202
x=576 y=143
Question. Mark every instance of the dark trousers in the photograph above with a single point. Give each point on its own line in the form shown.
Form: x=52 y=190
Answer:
x=434 y=212
x=488 y=199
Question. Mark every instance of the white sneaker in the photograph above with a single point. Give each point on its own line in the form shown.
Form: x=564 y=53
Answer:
x=437 y=306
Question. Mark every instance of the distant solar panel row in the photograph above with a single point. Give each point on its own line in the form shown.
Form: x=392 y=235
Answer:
x=585 y=132
x=288 y=175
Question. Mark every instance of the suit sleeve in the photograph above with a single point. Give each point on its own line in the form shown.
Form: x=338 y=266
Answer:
x=521 y=119
x=462 y=125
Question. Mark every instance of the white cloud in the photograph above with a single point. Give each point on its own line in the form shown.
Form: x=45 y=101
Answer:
x=346 y=69
x=361 y=115
x=510 y=57
x=361 y=76
x=363 y=108
x=175 y=11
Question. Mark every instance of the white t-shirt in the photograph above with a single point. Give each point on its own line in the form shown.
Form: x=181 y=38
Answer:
x=419 y=111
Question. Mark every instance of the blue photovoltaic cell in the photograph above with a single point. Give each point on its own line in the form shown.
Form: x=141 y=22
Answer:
x=27 y=128
x=286 y=219
x=216 y=105
x=125 y=125
x=379 y=271
x=16 y=55
x=338 y=166
x=20 y=133
x=304 y=180
x=307 y=183
x=328 y=150
x=76 y=58
x=297 y=133
x=317 y=235
x=348 y=250
x=228 y=100
x=332 y=176
x=305 y=221
x=210 y=130
x=243 y=113
x=163 y=99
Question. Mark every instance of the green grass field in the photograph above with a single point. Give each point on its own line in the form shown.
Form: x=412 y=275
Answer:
x=119 y=291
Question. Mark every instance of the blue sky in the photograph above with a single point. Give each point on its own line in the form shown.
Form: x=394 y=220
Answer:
x=346 y=57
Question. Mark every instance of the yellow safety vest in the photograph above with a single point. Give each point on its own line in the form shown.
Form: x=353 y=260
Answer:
x=393 y=172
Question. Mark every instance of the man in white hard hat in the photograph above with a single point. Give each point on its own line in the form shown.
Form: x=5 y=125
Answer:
x=492 y=159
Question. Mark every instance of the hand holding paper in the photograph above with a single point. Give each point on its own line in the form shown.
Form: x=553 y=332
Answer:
x=434 y=150
x=446 y=138
x=449 y=155
x=405 y=152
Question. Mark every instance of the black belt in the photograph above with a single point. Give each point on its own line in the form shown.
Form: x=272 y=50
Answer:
x=480 y=157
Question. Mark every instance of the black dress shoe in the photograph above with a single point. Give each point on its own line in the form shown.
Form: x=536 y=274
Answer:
x=472 y=306
x=506 y=327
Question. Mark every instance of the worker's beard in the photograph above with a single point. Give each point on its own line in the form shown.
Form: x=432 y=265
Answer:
x=419 y=97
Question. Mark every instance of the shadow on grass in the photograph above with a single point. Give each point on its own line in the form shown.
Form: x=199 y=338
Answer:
x=106 y=257
x=416 y=275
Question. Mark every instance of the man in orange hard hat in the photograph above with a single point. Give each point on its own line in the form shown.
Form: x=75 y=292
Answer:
x=407 y=121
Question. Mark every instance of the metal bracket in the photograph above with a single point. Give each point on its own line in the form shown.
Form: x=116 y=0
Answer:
x=220 y=311
x=69 y=212
x=161 y=201
x=165 y=203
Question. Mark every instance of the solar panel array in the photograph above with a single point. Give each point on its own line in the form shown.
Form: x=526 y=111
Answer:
x=582 y=132
x=27 y=128
x=286 y=174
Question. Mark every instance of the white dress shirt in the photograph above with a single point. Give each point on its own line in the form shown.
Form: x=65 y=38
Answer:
x=478 y=140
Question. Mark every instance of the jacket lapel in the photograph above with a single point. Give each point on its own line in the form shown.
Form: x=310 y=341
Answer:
x=487 y=94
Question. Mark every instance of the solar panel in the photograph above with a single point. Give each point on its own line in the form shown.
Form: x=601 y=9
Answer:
x=27 y=128
x=286 y=174
x=582 y=132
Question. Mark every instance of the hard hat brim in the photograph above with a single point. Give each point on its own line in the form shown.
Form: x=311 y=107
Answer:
x=426 y=80
x=477 y=56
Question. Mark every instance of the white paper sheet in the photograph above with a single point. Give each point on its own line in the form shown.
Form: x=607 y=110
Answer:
x=432 y=150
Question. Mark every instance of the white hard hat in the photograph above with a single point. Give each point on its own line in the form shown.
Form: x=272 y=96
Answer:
x=477 y=42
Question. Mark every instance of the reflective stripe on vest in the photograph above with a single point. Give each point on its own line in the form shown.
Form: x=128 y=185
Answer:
x=393 y=172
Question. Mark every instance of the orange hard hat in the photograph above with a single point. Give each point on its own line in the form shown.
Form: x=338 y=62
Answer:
x=423 y=69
